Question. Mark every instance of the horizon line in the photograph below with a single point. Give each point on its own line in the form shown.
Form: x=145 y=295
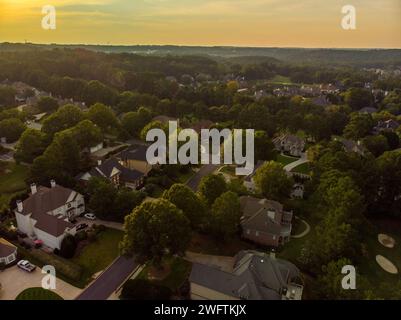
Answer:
x=199 y=46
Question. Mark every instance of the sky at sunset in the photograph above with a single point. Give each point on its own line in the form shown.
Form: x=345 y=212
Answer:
x=262 y=23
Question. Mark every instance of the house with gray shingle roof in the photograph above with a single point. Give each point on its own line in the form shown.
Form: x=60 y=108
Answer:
x=289 y=143
x=47 y=213
x=265 y=221
x=114 y=171
x=254 y=276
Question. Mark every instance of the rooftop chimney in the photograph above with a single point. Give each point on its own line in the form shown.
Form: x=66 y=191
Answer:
x=20 y=207
x=33 y=188
x=52 y=183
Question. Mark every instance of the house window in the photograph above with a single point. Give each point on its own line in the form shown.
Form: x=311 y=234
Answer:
x=248 y=231
x=271 y=214
x=257 y=233
x=274 y=237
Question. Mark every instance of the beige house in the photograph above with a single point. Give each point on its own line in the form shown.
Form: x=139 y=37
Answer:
x=254 y=276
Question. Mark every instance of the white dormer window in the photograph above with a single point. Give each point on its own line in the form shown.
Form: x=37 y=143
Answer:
x=271 y=214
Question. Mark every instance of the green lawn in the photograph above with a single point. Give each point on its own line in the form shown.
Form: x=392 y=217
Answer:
x=278 y=79
x=38 y=294
x=302 y=168
x=179 y=270
x=367 y=264
x=285 y=160
x=99 y=254
x=228 y=170
x=12 y=181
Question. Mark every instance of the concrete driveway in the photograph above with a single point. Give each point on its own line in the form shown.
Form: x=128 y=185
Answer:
x=108 y=224
x=15 y=280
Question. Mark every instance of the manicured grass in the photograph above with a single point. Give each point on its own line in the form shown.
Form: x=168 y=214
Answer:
x=285 y=160
x=179 y=270
x=278 y=79
x=367 y=265
x=302 y=168
x=38 y=294
x=228 y=170
x=12 y=181
x=99 y=254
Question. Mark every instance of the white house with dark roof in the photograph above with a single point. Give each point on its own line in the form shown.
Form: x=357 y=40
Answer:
x=46 y=214
x=254 y=276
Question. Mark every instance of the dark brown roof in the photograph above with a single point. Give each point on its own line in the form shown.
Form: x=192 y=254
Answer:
x=52 y=224
x=45 y=200
x=5 y=249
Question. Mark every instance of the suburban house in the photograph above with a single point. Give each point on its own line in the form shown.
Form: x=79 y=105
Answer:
x=388 y=125
x=290 y=144
x=265 y=222
x=115 y=172
x=253 y=276
x=134 y=158
x=352 y=146
x=47 y=213
x=8 y=252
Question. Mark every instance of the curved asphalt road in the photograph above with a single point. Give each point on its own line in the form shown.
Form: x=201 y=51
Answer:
x=193 y=183
x=115 y=275
x=110 y=280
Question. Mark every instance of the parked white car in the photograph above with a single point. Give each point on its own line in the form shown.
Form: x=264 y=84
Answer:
x=90 y=216
x=26 y=265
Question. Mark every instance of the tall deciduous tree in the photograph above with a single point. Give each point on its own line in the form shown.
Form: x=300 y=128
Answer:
x=188 y=201
x=30 y=145
x=47 y=104
x=11 y=129
x=226 y=214
x=155 y=229
x=272 y=180
x=103 y=116
x=211 y=187
x=66 y=117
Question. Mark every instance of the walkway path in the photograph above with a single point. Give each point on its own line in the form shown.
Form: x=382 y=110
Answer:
x=305 y=232
x=297 y=163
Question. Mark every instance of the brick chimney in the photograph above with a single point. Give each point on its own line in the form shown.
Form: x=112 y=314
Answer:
x=33 y=188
